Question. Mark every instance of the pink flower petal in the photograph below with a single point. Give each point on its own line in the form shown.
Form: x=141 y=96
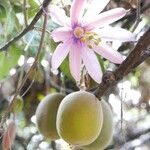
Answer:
x=58 y=15
x=116 y=33
x=106 y=18
x=94 y=8
x=91 y=63
x=75 y=61
x=61 y=34
x=107 y=52
x=60 y=54
x=76 y=11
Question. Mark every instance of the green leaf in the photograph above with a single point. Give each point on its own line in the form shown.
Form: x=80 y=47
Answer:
x=2 y=12
x=15 y=1
x=17 y=8
x=101 y=62
x=4 y=7
x=65 y=69
x=52 y=44
x=5 y=4
x=34 y=7
x=12 y=22
x=8 y=60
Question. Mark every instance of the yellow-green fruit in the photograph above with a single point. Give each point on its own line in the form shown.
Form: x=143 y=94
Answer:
x=79 y=118
x=17 y=105
x=46 y=115
x=106 y=133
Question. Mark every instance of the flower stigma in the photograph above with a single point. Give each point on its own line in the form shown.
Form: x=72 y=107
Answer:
x=78 y=32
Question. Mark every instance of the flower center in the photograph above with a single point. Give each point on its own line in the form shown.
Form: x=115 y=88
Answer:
x=89 y=38
x=78 y=32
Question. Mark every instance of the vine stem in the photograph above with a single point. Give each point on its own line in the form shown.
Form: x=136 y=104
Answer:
x=138 y=13
x=34 y=65
x=25 y=12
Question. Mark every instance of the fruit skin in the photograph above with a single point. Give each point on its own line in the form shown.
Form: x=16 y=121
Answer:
x=46 y=115
x=79 y=118
x=106 y=133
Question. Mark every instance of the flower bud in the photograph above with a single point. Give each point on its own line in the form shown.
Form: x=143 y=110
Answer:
x=9 y=135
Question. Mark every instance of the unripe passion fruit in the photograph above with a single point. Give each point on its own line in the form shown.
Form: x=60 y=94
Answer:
x=106 y=133
x=46 y=115
x=79 y=118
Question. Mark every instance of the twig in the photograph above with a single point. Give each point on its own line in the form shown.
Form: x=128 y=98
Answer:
x=133 y=13
x=53 y=145
x=21 y=141
x=58 y=87
x=111 y=78
x=40 y=29
x=25 y=12
x=121 y=116
x=29 y=87
x=134 y=56
x=138 y=13
x=26 y=77
x=143 y=136
x=28 y=28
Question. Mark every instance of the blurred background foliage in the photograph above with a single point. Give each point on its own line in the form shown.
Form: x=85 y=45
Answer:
x=133 y=92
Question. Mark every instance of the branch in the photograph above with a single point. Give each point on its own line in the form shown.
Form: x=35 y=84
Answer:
x=28 y=28
x=138 y=53
x=142 y=58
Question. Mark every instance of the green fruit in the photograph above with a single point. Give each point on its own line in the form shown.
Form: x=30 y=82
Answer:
x=106 y=133
x=79 y=118
x=46 y=115
x=17 y=105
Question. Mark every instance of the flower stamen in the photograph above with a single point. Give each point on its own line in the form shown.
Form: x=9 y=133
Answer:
x=89 y=46
x=83 y=39
x=78 y=32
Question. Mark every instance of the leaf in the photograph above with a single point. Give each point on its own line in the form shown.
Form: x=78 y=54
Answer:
x=65 y=69
x=5 y=4
x=17 y=9
x=2 y=12
x=52 y=44
x=8 y=61
x=101 y=62
x=34 y=7
x=4 y=7
x=11 y=22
